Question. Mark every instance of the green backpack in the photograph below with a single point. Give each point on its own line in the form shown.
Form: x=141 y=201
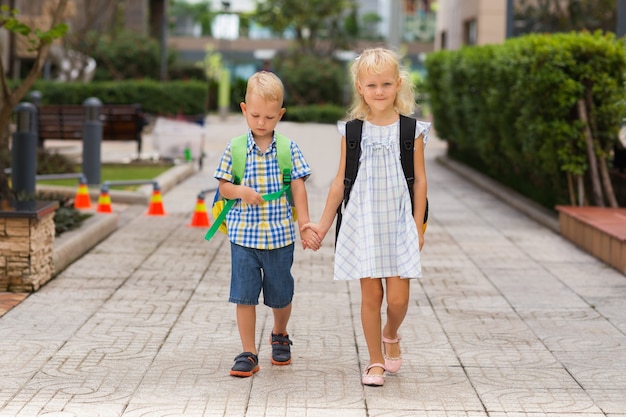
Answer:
x=238 y=147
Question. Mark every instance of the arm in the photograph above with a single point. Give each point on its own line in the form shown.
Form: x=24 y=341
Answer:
x=233 y=191
x=419 y=188
x=300 y=200
x=334 y=199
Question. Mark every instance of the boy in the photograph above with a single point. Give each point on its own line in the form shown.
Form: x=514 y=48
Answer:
x=261 y=232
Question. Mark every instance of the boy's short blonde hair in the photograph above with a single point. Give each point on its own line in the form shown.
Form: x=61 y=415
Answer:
x=266 y=85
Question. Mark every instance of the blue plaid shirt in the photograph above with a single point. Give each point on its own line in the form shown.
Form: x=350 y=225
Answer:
x=268 y=225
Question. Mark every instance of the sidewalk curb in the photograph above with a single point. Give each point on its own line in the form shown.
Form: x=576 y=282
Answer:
x=533 y=210
x=168 y=180
x=73 y=244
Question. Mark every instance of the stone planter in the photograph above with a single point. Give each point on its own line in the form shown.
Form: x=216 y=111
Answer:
x=26 y=245
x=598 y=230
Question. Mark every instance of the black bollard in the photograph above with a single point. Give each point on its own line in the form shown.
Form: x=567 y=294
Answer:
x=35 y=97
x=92 y=140
x=24 y=152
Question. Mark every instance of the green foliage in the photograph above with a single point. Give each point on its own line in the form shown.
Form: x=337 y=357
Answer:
x=512 y=108
x=549 y=16
x=199 y=12
x=325 y=113
x=66 y=217
x=34 y=37
x=53 y=163
x=168 y=98
x=126 y=55
x=311 y=20
x=310 y=79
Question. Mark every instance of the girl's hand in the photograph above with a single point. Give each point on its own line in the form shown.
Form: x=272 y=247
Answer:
x=310 y=239
x=315 y=227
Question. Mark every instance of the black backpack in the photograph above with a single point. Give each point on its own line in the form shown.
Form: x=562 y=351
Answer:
x=354 y=131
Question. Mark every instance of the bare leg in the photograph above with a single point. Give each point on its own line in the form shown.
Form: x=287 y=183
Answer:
x=371 y=302
x=246 y=323
x=281 y=318
x=397 y=306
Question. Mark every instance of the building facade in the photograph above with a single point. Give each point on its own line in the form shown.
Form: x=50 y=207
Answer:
x=470 y=22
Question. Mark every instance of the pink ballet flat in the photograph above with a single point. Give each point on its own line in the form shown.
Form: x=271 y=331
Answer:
x=373 y=380
x=392 y=365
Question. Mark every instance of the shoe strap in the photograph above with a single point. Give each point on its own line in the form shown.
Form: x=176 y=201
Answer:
x=375 y=365
x=281 y=339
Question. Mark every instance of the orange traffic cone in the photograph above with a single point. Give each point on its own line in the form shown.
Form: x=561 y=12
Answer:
x=155 y=208
x=200 y=217
x=81 y=200
x=104 y=202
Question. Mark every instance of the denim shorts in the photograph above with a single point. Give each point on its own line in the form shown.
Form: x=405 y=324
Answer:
x=254 y=270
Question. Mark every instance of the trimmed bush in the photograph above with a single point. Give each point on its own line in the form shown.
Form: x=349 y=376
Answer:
x=169 y=98
x=511 y=110
x=325 y=113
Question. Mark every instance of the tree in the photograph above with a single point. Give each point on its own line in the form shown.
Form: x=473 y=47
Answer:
x=199 y=13
x=40 y=42
x=564 y=16
x=311 y=21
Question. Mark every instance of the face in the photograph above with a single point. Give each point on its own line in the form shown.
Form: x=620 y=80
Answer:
x=261 y=115
x=379 y=90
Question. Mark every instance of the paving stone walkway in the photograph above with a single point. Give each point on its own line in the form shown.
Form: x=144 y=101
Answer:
x=510 y=319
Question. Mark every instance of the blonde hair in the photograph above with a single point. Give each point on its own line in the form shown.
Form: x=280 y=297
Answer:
x=376 y=61
x=266 y=85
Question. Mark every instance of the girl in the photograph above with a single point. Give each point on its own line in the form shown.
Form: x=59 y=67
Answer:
x=380 y=238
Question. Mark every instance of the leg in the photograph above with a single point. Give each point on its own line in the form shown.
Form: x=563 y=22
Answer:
x=279 y=339
x=281 y=318
x=371 y=302
x=278 y=288
x=397 y=306
x=246 y=323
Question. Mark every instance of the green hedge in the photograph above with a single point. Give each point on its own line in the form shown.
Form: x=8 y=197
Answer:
x=511 y=109
x=322 y=113
x=172 y=97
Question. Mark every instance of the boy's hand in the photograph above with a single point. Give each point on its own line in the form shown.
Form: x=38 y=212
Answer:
x=315 y=227
x=250 y=196
x=310 y=239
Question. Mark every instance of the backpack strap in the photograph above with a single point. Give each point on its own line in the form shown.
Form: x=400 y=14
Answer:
x=283 y=155
x=239 y=154
x=407 y=143
x=354 y=131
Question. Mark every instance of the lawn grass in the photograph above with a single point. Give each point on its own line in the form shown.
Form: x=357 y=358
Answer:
x=118 y=172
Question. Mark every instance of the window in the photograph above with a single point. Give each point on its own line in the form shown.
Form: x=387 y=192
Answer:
x=470 y=32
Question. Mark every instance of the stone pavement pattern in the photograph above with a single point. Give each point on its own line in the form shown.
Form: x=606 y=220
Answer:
x=509 y=320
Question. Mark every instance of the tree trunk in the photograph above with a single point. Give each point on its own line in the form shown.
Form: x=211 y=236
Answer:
x=591 y=156
x=11 y=98
x=608 y=186
x=570 y=189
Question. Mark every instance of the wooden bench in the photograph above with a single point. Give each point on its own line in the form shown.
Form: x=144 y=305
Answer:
x=123 y=122
x=600 y=231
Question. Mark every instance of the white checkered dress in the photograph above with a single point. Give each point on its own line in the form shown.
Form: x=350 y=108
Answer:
x=378 y=237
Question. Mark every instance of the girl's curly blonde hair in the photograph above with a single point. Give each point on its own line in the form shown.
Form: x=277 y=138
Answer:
x=376 y=61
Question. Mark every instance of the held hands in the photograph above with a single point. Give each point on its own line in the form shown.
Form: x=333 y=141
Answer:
x=310 y=239
x=312 y=236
